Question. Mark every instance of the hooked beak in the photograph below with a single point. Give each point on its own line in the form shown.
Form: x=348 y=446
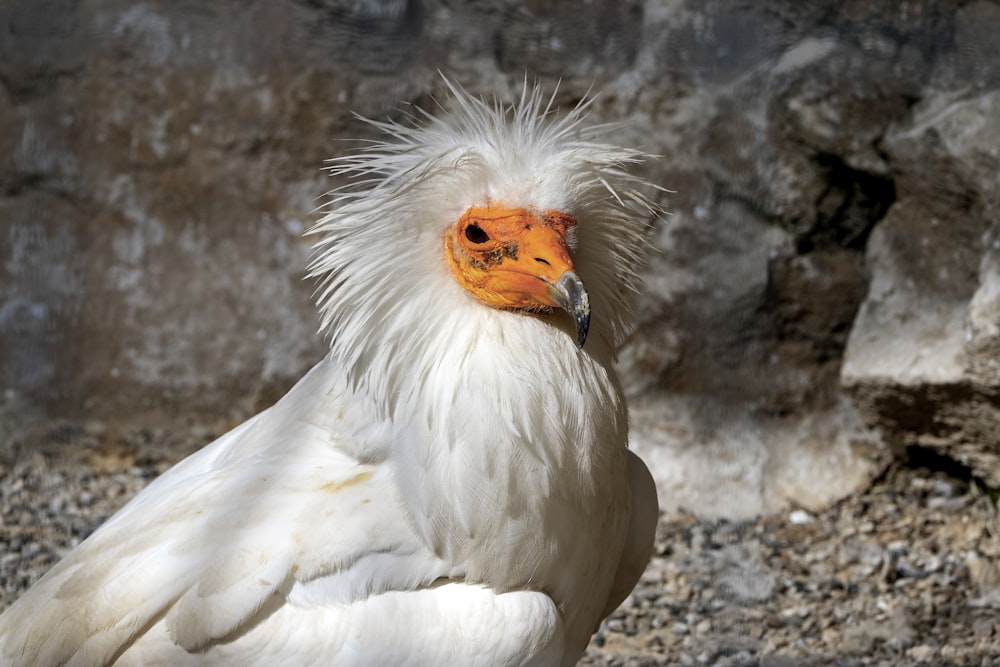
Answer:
x=569 y=294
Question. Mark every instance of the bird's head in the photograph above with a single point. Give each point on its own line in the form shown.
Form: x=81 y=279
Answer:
x=483 y=223
x=517 y=259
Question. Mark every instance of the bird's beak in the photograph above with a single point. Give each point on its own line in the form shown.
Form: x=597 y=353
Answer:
x=570 y=294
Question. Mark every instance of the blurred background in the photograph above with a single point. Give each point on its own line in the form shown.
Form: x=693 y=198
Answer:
x=824 y=301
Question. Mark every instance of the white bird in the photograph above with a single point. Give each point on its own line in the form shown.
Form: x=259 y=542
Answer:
x=452 y=484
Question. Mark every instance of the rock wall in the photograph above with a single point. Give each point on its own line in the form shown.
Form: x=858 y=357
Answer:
x=922 y=360
x=827 y=286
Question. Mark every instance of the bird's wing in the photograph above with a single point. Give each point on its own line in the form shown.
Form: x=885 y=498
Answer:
x=643 y=517
x=294 y=496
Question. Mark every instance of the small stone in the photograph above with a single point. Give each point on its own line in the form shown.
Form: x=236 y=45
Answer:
x=921 y=653
x=944 y=487
x=800 y=517
x=983 y=628
x=898 y=547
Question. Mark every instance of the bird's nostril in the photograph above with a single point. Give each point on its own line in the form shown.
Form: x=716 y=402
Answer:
x=542 y=261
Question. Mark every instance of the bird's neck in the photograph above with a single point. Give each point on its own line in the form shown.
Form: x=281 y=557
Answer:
x=497 y=427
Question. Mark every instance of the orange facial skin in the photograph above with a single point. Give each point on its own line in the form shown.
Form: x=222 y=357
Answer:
x=512 y=258
x=509 y=257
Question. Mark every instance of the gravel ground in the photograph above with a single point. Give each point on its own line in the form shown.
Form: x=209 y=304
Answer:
x=906 y=573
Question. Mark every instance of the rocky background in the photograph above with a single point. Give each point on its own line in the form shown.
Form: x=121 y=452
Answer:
x=824 y=302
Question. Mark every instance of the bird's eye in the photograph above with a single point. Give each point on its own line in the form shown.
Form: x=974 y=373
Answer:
x=476 y=234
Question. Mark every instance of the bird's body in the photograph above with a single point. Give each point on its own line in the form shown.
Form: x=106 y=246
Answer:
x=452 y=485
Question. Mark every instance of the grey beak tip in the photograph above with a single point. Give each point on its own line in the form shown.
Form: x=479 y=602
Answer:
x=572 y=296
x=582 y=325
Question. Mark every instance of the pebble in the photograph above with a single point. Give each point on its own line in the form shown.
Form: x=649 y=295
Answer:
x=800 y=517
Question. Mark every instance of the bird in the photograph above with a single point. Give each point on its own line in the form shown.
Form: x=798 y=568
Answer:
x=452 y=483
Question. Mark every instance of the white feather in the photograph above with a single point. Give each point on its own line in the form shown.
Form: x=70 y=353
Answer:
x=451 y=486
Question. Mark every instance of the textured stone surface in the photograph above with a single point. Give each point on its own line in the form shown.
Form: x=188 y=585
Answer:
x=922 y=360
x=826 y=288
